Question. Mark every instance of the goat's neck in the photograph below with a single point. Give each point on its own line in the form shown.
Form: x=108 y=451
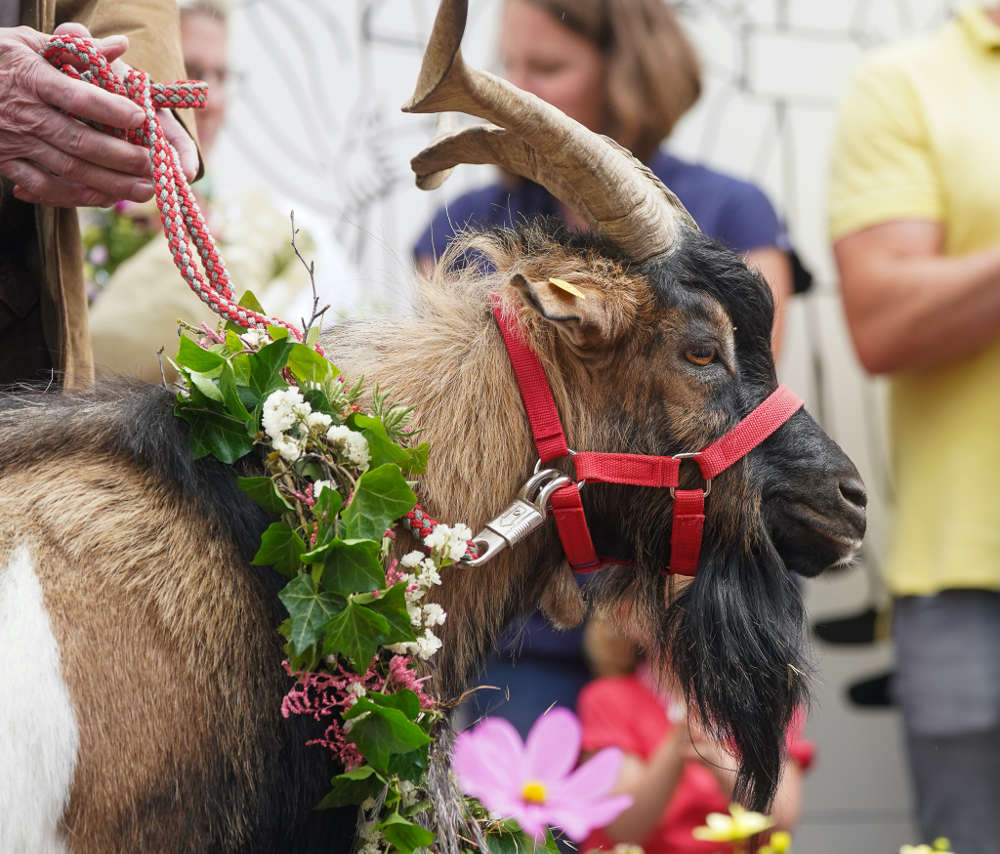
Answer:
x=457 y=372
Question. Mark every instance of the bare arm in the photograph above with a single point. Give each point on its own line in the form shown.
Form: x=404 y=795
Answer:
x=776 y=268
x=652 y=785
x=909 y=307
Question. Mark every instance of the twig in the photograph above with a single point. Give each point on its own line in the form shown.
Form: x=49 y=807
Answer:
x=163 y=375
x=317 y=312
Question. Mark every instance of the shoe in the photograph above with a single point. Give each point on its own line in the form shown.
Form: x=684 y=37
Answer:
x=873 y=692
x=866 y=627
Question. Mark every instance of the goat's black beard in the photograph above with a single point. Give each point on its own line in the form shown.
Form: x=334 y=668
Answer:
x=734 y=641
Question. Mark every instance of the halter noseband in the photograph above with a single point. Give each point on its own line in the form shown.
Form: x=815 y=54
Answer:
x=631 y=469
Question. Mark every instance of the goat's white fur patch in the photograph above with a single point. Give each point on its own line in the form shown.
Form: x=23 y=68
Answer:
x=38 y=731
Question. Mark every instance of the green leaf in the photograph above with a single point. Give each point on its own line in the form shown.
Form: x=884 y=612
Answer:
x=381 y=496
x=351 y=787
x=416 y=459
x=404 y=834
x=392 y=606
x=192 y=355
x=410 y=766
x=263 y=491
x=382 y=733
x=308 y=366
x=350 y=567
x=312 y=336
x=206 y=385
x=385 y=450
x=277 y=332
x=309 y=610
x=248 y=300
x=355 y=632
x=406 y=701
x=230 y=395
x=215 y=434
x=505 y=842
x=282 y=547
x=266 y=365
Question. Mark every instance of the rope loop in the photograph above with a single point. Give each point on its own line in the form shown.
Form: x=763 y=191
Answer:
x=180 y=215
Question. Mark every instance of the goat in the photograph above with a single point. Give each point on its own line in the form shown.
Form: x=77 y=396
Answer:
x=142 y=677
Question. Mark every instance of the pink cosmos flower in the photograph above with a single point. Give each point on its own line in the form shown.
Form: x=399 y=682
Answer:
x=534 y=782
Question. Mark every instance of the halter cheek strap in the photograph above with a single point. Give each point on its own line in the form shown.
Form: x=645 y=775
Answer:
x=631 y=469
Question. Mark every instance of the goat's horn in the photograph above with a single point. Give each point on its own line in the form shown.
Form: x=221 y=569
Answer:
x=598 y=179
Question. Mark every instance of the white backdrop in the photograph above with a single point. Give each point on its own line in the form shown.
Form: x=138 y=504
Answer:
x=317 y=123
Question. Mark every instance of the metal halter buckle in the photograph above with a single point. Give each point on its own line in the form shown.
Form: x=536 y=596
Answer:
x=690 y=455
x=522 y=516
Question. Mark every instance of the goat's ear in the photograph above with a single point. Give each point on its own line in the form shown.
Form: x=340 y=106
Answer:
x=581 y=312
x=562 y=602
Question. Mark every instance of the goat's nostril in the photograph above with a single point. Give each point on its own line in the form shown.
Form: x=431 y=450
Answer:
x=854 y=491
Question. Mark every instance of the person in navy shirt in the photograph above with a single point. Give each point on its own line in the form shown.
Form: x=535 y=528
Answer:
x=623 y=68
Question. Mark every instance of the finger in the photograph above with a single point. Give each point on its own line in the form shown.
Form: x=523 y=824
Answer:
x=111 y=46
x=38 y=187
x=84 y=100
x=106 y=181
x=86 y=143
x=179 y=138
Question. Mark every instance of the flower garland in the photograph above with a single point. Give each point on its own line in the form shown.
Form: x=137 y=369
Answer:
x=358 y=628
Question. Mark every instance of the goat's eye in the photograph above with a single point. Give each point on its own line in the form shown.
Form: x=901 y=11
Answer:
x=700 y=355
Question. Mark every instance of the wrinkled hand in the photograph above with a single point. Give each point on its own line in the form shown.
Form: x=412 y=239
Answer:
x=54 y=159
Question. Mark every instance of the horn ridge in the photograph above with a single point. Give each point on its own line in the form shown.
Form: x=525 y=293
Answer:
x=597 y=178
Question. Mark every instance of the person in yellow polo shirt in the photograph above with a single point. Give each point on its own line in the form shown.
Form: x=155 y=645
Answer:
x=915 y=223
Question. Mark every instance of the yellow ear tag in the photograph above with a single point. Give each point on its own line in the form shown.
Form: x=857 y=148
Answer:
x=562 y=284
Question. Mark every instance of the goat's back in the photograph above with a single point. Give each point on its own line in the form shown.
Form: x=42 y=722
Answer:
x=164 y=636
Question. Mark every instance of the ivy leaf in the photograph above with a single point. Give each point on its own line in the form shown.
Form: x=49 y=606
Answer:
x=229 y=394
x=392 y=606
x=206 y=385
x=192 y=355
x=351 y=787
x=308 y=366
x=505 y=841
x=416 y=459
x=410 y=766
x=355 y=632
x=215 y=434
x=309 y=610
x=266 y=365
x=352 y=567
x=276 y=332
x=265 y=493
x=406 y=701
x=248 y=300
x=382 y=733
x=381 y=496
x=282 y=547
x=404 y=834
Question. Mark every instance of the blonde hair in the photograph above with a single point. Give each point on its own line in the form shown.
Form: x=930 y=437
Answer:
x=654 y=75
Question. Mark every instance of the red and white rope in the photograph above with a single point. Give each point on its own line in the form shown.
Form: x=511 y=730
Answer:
x=180 y=214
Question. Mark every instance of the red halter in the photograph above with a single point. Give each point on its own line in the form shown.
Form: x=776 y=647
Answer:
x=632 y=469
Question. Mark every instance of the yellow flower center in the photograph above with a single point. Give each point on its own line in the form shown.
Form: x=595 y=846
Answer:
x=533 y=792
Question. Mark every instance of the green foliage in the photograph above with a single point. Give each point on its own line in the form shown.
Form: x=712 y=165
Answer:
x=342 y=612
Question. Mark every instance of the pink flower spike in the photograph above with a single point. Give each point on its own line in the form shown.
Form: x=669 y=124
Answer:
x=534 y=783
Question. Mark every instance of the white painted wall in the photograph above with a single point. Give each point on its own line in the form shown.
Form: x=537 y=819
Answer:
x=317 y=122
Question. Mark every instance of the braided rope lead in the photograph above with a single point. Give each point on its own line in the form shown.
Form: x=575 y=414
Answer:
x=180 y=214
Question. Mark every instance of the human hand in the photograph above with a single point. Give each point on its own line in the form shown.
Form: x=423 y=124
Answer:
x=54 y=159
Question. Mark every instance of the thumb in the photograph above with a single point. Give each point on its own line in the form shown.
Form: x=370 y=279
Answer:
x=112 y=47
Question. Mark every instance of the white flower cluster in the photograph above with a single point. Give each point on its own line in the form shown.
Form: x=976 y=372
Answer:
x=284 y=419
x=255 y=338
x=351 y=444
x=288 y=421
x=449 y=541
x=423 y=575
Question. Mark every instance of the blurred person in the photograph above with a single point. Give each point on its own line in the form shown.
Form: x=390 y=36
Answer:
x=136 y=312
x=51 y=162
x=623 y=68
x=673 y=770
x=915 y=224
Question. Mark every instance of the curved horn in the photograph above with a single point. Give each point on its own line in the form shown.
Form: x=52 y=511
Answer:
x=598 y=179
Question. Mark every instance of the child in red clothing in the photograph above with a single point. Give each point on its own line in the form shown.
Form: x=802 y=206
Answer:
x=676 y=775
